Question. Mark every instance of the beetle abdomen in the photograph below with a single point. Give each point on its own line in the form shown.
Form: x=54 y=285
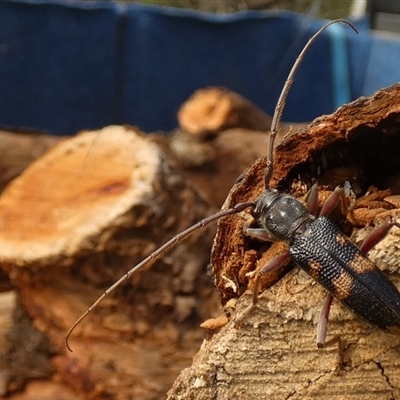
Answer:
x=333 y=260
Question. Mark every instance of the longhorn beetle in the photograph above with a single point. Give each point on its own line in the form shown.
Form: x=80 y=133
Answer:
x=315 y=243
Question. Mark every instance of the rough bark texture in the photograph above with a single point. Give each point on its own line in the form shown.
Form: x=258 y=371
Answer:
x=73 y=222
x=271 y=352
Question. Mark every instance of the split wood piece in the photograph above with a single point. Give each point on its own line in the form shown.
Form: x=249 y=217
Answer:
x=214 y=109
x=272 y=352
x=75 y=221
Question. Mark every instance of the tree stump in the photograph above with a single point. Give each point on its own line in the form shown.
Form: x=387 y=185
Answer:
x=75 y=221
x=272 y=353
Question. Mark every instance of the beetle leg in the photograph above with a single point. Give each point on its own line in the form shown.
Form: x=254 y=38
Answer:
x=339 y=195
x=258 y=233
x=338 y=341
x=272 y=265
x=333 y=201
x=322 y=330
x=376 y=235
x=322 y=327
x=312 y=199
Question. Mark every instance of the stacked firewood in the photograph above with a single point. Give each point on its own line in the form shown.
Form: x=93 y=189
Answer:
x=96 y=204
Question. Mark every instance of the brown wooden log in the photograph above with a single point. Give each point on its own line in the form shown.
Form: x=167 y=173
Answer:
x=74 y=222
x=271 y=353
x=221 y=134
x=214 y=163
x=214 y=109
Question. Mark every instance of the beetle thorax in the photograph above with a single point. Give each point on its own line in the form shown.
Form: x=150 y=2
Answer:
x=281 y=215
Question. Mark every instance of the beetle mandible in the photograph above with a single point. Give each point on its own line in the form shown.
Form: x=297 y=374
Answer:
x=315 y=243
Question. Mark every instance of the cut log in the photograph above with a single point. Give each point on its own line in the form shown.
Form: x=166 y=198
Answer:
x=75 y=221
x=271 y=352
x=214 y=109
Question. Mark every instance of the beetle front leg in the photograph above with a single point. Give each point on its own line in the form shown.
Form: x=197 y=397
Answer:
x=272 y=265
x=258 y=233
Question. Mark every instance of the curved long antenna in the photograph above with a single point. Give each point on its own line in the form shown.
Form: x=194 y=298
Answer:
x=157 y=254
x=280 y=105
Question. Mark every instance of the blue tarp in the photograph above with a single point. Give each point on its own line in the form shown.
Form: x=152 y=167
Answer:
x=70 y=66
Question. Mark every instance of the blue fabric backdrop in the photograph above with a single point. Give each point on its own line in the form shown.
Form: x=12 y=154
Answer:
x=70 y=66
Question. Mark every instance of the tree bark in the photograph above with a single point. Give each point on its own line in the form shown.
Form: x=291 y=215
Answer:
x=271 y=351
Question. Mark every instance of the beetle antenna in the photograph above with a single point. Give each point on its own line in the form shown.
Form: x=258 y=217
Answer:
x=157 y=254
x=280 y=105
